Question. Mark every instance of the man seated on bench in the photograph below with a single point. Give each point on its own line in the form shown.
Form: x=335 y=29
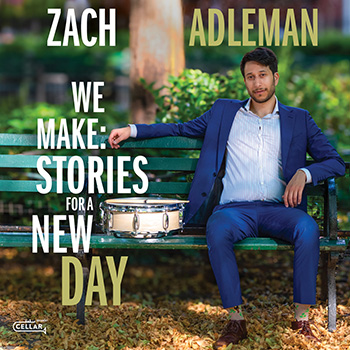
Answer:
x=263 y=145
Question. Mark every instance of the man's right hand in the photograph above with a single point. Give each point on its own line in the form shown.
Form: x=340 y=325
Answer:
x=118 y=135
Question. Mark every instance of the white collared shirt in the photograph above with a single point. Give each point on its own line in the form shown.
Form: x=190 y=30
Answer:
x=254 y=162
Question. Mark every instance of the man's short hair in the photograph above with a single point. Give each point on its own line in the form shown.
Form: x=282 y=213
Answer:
x=261 y=55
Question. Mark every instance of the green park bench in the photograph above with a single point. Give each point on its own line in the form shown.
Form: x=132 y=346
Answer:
x=173 y=160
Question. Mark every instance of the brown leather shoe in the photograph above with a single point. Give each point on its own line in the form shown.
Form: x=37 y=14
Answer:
x=305 y=329
x=233 y=332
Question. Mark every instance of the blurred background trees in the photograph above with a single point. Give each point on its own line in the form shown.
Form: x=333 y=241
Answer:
x=157 y=50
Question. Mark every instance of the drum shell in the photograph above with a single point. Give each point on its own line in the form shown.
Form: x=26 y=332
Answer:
x=142 y=220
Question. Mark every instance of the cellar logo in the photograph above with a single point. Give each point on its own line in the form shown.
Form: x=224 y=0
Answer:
x=29 y=326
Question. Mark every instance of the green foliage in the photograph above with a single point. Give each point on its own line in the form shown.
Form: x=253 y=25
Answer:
x=315 y=208
x=325 y=94
x=194 y=92
x=23 y=120
x=29 y=53
x=29 y=8
x=331 y=43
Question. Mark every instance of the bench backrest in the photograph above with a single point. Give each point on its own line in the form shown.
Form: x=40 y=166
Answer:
x=171 y=161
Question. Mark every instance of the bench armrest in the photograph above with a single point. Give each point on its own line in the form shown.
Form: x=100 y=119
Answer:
x=330 y=209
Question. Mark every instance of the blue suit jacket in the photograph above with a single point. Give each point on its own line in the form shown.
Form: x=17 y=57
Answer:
x=299 y=134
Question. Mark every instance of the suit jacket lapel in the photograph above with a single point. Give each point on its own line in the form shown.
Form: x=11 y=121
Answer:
x=228 y=116
x=287 y=125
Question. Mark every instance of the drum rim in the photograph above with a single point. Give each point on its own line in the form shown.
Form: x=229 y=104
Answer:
x=132 y=233
x=143 y=207
x=145 y=201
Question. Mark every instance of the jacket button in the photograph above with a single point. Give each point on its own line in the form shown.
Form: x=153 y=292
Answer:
x=214 y=174
x=203 y=194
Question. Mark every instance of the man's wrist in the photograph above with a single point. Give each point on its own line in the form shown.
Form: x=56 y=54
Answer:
x=302 y=172
x=133 y=130
x=308 y=177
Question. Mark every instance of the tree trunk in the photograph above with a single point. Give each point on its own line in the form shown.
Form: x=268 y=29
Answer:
x=157 y=50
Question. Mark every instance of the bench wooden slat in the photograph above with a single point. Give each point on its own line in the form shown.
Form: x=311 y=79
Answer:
x=315 y=190
x=168 y=142
x=24 y=239
x=154 y=163
x=180 y=142
x=18 y=140
x=28 y=186
x=154 y=187
x=171 y=142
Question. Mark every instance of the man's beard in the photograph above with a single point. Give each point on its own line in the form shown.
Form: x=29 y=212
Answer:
x=271 y=93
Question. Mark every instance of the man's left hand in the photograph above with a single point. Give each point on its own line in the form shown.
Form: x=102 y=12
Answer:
x=294 y=190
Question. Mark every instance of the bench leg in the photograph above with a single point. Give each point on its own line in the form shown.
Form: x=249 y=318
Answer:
x=81 y=304
x=324 y=276
x=332 y=298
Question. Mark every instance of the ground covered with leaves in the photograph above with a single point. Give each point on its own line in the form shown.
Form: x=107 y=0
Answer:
x=169 y=301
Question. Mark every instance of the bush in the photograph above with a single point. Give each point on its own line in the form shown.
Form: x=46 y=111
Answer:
x=193 y=92
x=23 y=120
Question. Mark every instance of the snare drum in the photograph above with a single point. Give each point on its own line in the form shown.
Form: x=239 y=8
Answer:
x=142 y=217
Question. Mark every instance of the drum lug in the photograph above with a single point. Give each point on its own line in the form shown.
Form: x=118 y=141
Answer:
x=165 y=221
x=181 y=211
x=136 y=222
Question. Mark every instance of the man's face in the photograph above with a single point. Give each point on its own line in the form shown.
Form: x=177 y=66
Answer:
x=260 y=81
